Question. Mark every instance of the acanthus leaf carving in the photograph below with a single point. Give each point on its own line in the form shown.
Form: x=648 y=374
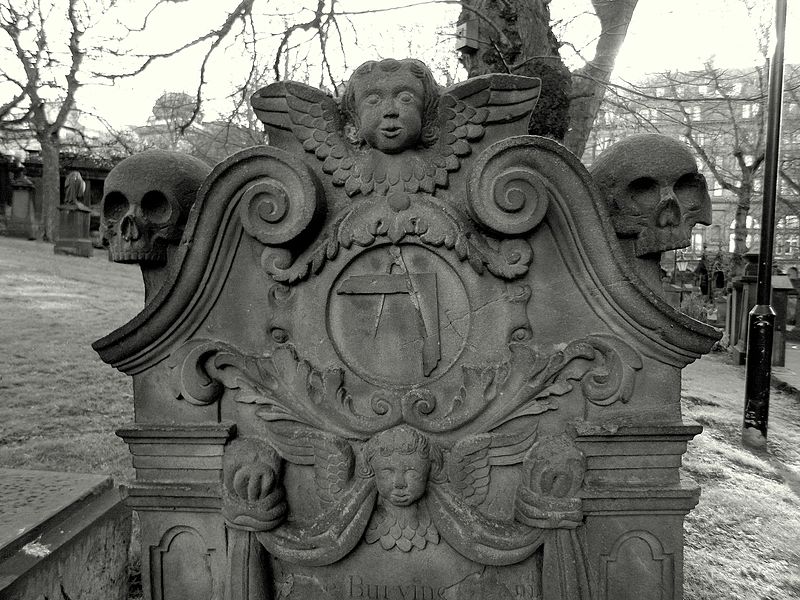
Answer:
x=289 y=388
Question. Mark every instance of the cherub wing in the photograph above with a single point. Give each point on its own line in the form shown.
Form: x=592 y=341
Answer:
x=332 y=457
x=504 y=98
x=467 y=109
x=312 y=117
x=471 y=459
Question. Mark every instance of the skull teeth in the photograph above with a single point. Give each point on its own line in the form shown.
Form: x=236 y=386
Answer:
x=131 y=256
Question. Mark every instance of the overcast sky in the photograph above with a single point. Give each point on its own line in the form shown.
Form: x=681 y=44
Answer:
x=664 y=34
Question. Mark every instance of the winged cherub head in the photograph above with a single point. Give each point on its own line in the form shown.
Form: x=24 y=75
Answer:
x=401 y=460
x=393 y=104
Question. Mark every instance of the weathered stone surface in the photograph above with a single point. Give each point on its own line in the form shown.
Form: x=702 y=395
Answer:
x=146 y=201
x=72 y=234
x=402 y=354
x=22 y=220
x=64 y=535
x=655 y=195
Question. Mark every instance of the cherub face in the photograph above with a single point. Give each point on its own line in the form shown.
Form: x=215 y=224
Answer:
x=389 y=107
x=401 y=478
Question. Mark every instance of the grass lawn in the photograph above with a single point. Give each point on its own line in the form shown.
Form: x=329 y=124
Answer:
x=61 y=404
x=743 y=540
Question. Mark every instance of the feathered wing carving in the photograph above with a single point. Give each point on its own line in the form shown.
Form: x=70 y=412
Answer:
x=314 y=119
x=465 y=111
x=471 y=459
x=505 y=98
x=348 y=501
x=332 y=457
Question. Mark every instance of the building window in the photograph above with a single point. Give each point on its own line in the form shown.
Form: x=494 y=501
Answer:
x=787 y=238
x=751 y=237
x=697 y=242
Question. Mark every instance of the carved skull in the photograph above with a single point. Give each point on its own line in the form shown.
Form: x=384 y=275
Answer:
x=654 y=191
x=146 y=200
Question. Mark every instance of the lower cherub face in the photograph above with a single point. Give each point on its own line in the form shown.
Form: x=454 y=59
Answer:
x=389 y=106
x=401 y=478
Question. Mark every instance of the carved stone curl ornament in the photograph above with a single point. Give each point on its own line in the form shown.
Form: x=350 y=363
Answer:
x=282 y=200
x=505 y=194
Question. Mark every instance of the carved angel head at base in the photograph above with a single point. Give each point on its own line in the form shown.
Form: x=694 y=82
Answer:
x=401 y=459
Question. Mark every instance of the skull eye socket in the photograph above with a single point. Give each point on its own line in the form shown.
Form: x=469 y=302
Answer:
x=690 y=188
x=115 y=205
x=155 y=207
x=644 y=193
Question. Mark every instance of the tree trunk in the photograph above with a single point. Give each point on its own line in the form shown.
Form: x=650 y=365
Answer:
x=589 y=82
x=740 y=230
x=50 y=187
x=740 y=233
x=514 y=36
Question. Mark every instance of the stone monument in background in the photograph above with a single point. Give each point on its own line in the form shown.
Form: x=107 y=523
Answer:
x=400 y=353
x=74 y=219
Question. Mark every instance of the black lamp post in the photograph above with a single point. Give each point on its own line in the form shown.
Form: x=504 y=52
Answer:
x=762 y=318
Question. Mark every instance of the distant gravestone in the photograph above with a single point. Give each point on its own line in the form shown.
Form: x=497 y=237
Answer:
x=74 y=219
x=22 y=220
x=62 y=533
x=400 y=353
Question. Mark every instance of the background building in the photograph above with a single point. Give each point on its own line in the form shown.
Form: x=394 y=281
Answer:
x=721 y=115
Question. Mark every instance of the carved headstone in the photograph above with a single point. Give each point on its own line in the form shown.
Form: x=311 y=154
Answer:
x=402 y=355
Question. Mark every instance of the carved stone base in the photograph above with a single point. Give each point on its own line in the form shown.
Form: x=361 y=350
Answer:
x=178 y=498
x=635 y=503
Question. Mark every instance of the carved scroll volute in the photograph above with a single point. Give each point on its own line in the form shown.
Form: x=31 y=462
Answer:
x=505 y=194
x=283 y=201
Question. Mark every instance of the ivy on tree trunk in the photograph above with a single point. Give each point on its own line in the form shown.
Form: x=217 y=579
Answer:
x=515 y=36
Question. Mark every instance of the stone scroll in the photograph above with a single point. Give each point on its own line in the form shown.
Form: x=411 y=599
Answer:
x=400 y=353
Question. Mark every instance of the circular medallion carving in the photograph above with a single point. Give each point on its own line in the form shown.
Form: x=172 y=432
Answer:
x=398 y=316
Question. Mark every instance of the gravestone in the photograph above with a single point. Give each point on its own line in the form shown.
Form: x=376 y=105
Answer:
x=400 y=353
x=741 y=301
x=72 y=235
x=62 y=535
x=22 y=220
